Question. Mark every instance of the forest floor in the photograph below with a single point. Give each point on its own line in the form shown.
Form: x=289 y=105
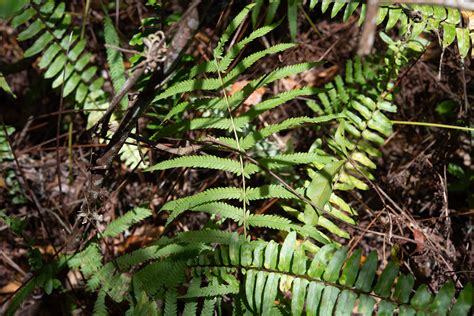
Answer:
x=425 y=172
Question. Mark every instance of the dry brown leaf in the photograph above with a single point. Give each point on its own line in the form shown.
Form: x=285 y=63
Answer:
x=254 y=98
x=420 y=239
x=10 y=288
x=290 y=83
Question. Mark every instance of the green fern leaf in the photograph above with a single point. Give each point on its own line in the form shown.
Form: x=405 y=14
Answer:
x=190 y=309
x=208 y=162
x=209 y=195
x=157 y=252
x=99 y=306
x=250 y=60
x=219 y=50
x=464 y=301
x=188 y=86
x=268 y=192
x=219 y=208
x=293 y=18
x=160 y=275
x=124 y=222
x=211 y=66
x=250 y=140
x=31 y=31
x=114 y=58
x=39 y=44
x=171 y=302
x=284 y=160
x=89 y=260
x=23 y=17
x=21 y=295
x=205 y=236
x=211 y=291
x=320 y=188
x=269 y=221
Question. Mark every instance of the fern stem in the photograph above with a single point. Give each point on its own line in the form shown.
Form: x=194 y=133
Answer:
x=461 y=128
x=84 y=21
x=241 y=159
x=315 y=29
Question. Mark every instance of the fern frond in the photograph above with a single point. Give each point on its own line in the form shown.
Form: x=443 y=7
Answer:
x=331 y=282
x=5 y=150
x=99 y=305
x=125 y=221
x=227 y=193
x=63 y=57
x=250 y=60
x=88 y=260
x=247 y=117
x=285 y=160
x=268 y=192
x=431 y=19
x=188 y=86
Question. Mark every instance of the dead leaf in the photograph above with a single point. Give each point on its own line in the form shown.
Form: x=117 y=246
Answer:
x=10 y=288
x=290 y=83
x=420 y=239
x=254 y=98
